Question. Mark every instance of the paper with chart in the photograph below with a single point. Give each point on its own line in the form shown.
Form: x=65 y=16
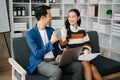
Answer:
x=88 y=57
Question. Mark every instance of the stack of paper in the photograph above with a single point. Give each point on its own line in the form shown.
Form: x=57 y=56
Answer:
x=20 y=26
x=55 y=12
x=19 y=34
x=96 y=26
x=116 y=15
x=106 y=27
x=83 y=12
x=116 y=29
x=57 y=24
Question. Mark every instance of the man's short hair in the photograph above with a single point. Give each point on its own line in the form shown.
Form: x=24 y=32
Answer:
x=41 y=11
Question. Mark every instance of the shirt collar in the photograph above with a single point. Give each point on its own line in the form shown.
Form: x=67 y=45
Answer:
x=72 y=28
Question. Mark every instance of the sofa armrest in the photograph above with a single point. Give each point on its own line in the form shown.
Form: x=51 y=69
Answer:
x=102 y=51
x=18 y=68
x=111 y=76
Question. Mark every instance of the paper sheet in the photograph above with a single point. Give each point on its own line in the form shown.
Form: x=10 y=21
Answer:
x=88 y=57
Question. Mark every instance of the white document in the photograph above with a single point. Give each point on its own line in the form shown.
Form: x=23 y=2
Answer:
x=88 y=57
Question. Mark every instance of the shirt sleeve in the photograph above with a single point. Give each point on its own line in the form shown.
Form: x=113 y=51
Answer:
x=63 y=41
x=86 y=42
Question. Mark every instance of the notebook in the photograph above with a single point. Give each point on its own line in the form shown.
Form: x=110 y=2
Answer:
x=88 y=57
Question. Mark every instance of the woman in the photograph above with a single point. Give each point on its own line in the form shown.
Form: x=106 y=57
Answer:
x=72 y=35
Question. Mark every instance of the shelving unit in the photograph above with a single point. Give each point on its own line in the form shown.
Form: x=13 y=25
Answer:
x=108 y=36
x=93 y=16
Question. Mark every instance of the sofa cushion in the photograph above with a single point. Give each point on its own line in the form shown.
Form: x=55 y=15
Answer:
x=106 y=66
x=36 y=77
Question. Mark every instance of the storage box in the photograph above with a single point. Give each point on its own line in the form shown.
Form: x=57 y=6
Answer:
x=105 y=28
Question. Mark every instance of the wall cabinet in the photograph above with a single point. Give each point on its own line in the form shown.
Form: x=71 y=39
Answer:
x=100 y=15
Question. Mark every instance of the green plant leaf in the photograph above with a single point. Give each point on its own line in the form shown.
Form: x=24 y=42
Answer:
x=109 y=12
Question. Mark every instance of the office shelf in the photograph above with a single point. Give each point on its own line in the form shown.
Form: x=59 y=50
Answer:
x=93 y=15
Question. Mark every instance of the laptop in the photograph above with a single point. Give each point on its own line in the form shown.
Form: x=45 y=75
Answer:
x=69 y=56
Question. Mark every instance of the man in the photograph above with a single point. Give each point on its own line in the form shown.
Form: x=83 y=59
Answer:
x=45 y=51
x=43 y=43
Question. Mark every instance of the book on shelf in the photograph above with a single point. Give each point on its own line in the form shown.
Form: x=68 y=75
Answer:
x=92 y=11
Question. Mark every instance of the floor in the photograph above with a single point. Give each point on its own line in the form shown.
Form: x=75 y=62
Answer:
x=5 y=69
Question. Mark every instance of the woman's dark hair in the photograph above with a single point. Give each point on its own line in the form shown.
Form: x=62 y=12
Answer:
x=67 y=24
x=41 y=11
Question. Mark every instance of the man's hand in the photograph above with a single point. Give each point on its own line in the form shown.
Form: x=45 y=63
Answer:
x=54 y=38
x=58 y=58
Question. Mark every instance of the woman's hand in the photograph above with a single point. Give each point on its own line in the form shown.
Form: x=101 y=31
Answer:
x=58 y=58
x=86 y=51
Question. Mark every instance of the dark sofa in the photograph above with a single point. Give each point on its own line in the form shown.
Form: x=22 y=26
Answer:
x=20 y=55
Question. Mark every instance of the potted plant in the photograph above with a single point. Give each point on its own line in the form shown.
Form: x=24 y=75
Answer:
x=109 y=13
